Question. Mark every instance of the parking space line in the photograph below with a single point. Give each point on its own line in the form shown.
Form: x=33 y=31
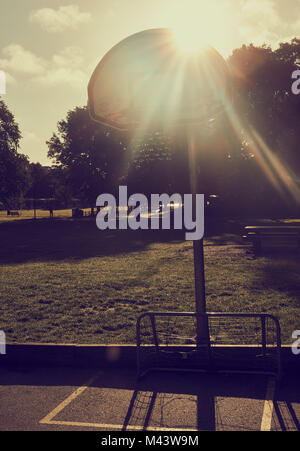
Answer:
x=267 y=416
x=115 y=426
x=48 y=418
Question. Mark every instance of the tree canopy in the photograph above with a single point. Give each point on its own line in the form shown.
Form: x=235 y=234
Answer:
x=267 y=116
x=13 y=165
x=91 y=156
x=252 y=161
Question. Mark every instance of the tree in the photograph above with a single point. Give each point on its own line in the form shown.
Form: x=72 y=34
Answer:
x=93 y=158
x=40 y=185
x=267 y=116
x=251 y=160
x=13 y=165
x=62 y=191
x=152 y=168
x=40 y=182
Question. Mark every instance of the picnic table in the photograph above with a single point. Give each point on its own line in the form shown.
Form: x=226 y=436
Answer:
x=272 y=236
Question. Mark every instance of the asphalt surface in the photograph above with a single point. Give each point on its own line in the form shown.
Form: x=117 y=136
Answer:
x=76 y=399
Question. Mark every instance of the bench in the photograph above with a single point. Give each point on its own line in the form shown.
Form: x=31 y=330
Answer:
x=13 y=213
x=277 y=236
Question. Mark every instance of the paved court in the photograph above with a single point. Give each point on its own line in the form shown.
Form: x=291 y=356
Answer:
x=71 y=399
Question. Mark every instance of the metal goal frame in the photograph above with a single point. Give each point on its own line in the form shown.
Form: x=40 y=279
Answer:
x=261 y=358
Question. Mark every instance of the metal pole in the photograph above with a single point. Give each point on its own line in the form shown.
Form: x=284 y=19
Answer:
x=203 y=337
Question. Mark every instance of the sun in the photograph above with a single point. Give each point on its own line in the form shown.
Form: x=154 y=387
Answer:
x=189 y=40
x=196 y=24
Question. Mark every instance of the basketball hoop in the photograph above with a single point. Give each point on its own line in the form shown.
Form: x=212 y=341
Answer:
x=146 y=82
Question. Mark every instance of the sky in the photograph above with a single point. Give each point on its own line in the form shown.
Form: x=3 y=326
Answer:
x=49 y=48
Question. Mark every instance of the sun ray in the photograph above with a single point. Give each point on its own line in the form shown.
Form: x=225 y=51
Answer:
x=279 y=174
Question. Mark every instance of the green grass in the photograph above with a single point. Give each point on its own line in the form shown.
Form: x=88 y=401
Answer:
x=65 y=281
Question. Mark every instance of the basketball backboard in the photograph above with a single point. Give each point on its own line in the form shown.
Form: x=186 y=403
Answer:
x=148 y=81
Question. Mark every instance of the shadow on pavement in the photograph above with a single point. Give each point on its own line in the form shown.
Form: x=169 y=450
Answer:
x=160 y=401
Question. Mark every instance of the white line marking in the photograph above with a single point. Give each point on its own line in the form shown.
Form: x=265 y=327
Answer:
x=266 y=422
x=48 y=419
x=63 y=404
x=115 y=426
x=267 y=416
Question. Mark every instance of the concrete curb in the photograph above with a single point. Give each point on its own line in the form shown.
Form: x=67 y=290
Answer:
x=107 y=356
x=69 y=355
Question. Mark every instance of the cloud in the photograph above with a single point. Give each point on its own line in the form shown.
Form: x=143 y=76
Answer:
x=56 y=21
x=68 y=57
x=17 y=59
x=259 y=12
x=64 y=75
x=260 y=22
x=63 y=68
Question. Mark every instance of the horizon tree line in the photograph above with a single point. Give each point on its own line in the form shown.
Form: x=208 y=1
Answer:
x=252 y=163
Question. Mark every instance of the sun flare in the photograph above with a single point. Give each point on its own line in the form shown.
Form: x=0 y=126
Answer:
x=196 y=25
x=189 y=41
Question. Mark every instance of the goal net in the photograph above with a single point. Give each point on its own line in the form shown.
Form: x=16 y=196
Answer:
x=238 y=342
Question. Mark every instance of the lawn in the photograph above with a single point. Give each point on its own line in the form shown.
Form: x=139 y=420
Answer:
x=65 y=281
